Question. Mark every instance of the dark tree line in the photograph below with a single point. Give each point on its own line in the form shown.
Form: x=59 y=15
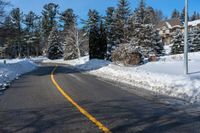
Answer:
x=181 y=15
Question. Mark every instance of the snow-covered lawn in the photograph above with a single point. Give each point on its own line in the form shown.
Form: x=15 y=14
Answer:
x=13 y=69
x=164 y=76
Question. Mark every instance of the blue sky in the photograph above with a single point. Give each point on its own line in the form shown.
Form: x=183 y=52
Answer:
x=81 y=7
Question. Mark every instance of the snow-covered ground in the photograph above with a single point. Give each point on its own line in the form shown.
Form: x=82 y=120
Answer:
x=13 y=69
x=164 y=76
x=82 y=60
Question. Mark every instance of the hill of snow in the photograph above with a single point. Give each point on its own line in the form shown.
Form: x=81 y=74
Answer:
x=13 y=69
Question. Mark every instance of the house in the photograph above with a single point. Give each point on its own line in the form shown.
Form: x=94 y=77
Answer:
x=192 y=24
x=167 y=28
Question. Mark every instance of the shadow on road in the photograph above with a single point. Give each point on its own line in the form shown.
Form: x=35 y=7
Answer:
x=117 y=115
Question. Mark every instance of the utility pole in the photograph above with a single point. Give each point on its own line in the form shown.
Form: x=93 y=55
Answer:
x=186 y=39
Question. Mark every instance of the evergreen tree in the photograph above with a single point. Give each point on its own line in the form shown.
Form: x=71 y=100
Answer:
x=102 y=44
x=93 y=42
x=16 y=18
x=194 y=40
x=144 y=36
x=175 y=14
x=178 y=46
x=68 y=18
x=3 y=5
x=152 y=15
x=121 y=16
x=30 y=38
x=195 y=16
x=54 y=50
x=10 y=37
x=92 y=26
x=182 y=17
x=48 y=20
x=159 y=16
x=72 y=39
x=140 y=15
x=37 y=37
x=110 y=30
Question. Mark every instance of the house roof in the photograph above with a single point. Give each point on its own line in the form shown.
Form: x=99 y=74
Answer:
x=171 y=23
x=194 y=23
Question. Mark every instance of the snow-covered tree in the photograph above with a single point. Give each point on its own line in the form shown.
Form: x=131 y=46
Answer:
x=54 y=50
x=67 y=19
x=30 y=38
x=144 y=35
x=110 y=30
x=49 y=13
x=178 y=43
x=72 y=39
x=16 y=18
x=121 y=26
x=194 y=39
x=72 y=44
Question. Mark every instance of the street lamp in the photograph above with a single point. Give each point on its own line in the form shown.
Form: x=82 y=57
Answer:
x=186 y=39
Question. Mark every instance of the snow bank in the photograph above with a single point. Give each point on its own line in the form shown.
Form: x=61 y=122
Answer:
x=163 y=77
x=14 y=68
x=79 y=61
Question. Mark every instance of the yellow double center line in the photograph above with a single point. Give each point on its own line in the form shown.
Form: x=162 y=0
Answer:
x=82 y=110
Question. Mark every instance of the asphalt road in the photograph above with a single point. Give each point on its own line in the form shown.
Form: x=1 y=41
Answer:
x=34 y=105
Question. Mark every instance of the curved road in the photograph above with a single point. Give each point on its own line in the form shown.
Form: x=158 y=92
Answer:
x=33 y=104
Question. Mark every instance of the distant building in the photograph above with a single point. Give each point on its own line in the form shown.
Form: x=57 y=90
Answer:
x=167 y=27
x=192 y=24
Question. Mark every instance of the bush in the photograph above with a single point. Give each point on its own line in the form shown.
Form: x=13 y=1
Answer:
x=127 y=55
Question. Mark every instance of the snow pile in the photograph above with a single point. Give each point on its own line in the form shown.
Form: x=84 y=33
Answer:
x=38 y=59
x=13 y=69
x=79 y=61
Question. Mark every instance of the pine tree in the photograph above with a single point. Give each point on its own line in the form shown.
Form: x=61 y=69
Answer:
x=73 y=38
x=3 y=5
x=175 y=14
x=177 y=47
x=92 y=26
x=152 y=15
x=159 y=16
x=110 y=30
x=195 y=16
x=55 y=50
x=10 y=38
x=182 y=16
x=16 y=18
x=30 y=38
x=158 y=45
x=67 y=18
x=144 y=36
x=194 y=40
x=48 y=20
x=102 y=44
x=121 y=26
